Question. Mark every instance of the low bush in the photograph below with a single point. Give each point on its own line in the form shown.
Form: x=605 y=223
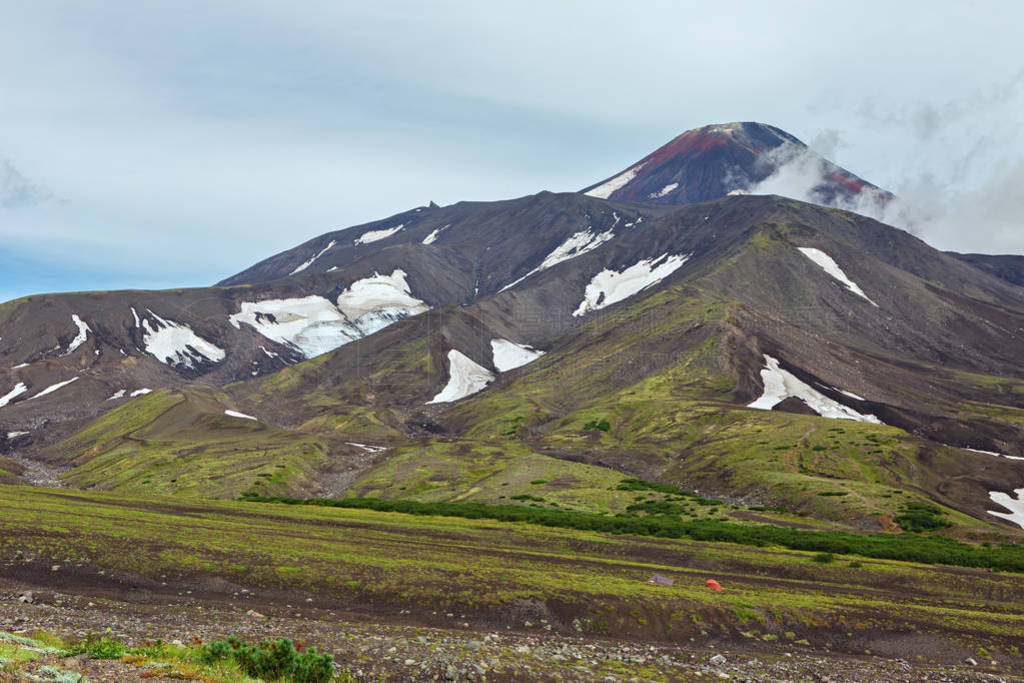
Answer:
x=272 y=661
x=916 y=517
x=602 y=425
x=905 y=547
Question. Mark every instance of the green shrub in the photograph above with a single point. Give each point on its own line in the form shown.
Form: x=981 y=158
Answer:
x=916 y=517
x=824 y=558
x=904 y=547
x=602 y=425
x=272 y=661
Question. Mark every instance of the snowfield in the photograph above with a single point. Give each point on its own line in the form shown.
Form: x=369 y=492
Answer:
x=604 y=190
x=780 y=384
x=609 y=287
x=508 y=355
x=302 y=266
x=83 y=334
x=465 y=378
x=312 y=324
x=1014 y=505
x=825 y=262
x=432 y=237
x=375 y=302
x=663 y=191
x=243 y=416
x=376 y=235
x=578 y=244
x=52 y=388
x=14 y=393
x=177 y=345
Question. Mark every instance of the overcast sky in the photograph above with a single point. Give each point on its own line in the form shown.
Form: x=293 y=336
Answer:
x=154 y=144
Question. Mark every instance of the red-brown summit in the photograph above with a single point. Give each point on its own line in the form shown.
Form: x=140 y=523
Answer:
x=737 y=158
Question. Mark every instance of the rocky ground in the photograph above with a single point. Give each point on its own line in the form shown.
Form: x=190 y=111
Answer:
x=396 y=649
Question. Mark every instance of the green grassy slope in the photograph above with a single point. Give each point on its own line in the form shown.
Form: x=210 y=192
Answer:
x=520 y=574
x=182 y=443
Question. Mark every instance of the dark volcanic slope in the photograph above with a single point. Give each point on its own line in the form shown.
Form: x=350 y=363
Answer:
x=1008 y=267
x=713 y=161
x=490 y=243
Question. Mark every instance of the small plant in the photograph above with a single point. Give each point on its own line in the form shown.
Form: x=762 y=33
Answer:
x=824 y=558
x=856 y=565
x=96 y=648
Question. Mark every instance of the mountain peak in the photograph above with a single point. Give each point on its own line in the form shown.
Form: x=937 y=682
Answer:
x=736 y=158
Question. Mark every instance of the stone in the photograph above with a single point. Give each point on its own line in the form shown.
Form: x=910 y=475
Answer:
x=717 y=660
x=27 y=598
x=971 y=661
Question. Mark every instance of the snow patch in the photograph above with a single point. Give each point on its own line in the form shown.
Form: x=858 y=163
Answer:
x=375 y=302
x=577 y=245
x=15 y=435
x=663 y=191
x=432 y=237
x=301 y=267
x=14 y=393
x=508 y=355
x=852 y=395
x=176 y=344
x=314 y=326
x=116 y=395
x=465 y=378
x=243 y=416
x=609 y=286
x=993 y=453
x=19 y=366
x=83 y=334
x=52 y=388
x=1014 y=505
x=605 y=190
x=311 y=324
x=780 y=384
x=825 y=262
x=140 y=392
x=368 y=449
x=376 y=235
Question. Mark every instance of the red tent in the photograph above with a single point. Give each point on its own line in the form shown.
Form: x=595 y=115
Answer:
x=713 y=585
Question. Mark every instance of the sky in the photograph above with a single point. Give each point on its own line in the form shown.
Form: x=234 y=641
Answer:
x=149 y=144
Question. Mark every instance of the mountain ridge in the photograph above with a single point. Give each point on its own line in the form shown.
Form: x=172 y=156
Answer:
x=339 y=364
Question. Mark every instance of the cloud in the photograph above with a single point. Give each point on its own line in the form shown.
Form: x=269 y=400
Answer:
x=927 y=119
x=18 y=191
